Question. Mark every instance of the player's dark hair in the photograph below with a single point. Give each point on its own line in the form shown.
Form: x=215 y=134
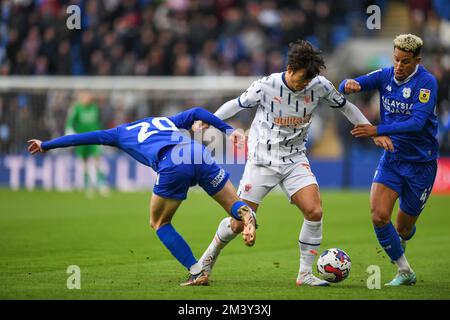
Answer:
x=302 y=55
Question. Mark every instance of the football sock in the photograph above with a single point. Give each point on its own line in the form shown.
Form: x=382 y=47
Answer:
x=413 y=232
x=223 y=236
x=389 y=240
x=195 y=268
x=235 y=208
x=309 y=241
x=403 y=264
x=176 y=245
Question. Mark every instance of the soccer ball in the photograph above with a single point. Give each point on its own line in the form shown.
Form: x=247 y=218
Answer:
x=334 y=265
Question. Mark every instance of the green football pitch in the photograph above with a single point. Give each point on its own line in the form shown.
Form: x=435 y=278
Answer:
x=120 y=257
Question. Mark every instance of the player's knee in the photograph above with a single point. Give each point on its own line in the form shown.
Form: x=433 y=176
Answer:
x=313 y=213
x=156 y=224
x=380 y=218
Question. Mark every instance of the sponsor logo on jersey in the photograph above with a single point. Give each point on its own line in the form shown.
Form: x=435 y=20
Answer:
x=406 y=92
x=394 y=106
x=294 y=122
x=219 y=178
x=424 y=95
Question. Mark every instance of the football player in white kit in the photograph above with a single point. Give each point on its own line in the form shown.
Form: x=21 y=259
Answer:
x=285 y=105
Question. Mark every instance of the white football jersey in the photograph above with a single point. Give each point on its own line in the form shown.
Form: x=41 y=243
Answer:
x=278 y=133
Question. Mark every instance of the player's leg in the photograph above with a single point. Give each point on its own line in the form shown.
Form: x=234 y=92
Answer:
x=419 y=180
x=238 y=210
x=406 y=226
x=100 y=177
x=308 y=201
x=387 y=187
x=382 y=201
x=300 y=185
x=81 y=154
x=227 y=230
x=418 y=183
x=256 y=182
x=171 y=187
x=161 y=212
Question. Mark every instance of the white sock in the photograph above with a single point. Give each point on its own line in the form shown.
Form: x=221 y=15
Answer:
x=223 y=236
x=196 y=268
x=403 y=265
x=309 y=242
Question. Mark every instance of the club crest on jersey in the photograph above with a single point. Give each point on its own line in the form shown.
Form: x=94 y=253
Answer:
x=406 y=92
x=424 y=95
x=277 y=99
x=389 y=88
x=247 y=187
x=307 y=99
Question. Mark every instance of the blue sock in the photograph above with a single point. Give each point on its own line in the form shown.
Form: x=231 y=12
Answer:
x=176 y=245
x=413 y=232
x=390 y=241
x=235 y=207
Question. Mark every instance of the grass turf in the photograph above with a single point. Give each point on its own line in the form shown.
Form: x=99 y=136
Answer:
x=120 y=257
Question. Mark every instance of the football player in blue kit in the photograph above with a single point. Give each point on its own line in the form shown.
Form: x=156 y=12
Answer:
x=180 y=162
x=408 y=95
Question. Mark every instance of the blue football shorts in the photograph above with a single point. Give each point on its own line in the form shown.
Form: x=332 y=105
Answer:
x=413 y=181
x=176 y=176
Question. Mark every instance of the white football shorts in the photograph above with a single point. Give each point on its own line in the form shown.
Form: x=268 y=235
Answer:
x=258 y=180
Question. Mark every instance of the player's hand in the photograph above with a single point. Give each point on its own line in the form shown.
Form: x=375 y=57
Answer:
x=384 y=142
x=199 y=126
x=238 y=138
x=352 y=86
x=34 y=146
x=364 y=130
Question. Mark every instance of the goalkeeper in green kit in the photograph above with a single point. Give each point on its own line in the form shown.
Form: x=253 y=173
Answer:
x=84 y=116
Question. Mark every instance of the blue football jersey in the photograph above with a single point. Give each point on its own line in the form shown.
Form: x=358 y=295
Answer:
x=144 y=139
x=407 y=112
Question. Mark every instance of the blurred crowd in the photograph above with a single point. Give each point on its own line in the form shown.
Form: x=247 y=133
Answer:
x=191 y=38
x=174 y=37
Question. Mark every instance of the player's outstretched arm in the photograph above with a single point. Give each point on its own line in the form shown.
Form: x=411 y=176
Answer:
x=250 y=98
x=185 y=119
x=105 y=137
x=423 y=105
x=226 y=111
x=205 y=116
x=366 y=82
